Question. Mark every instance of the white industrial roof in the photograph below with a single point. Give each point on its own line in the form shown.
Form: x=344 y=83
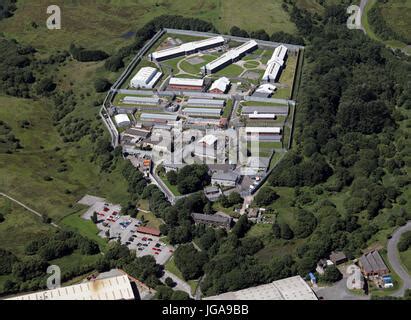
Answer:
x=121 y=118
x=231 y=55
x=266 y=88
x=257 y=115
x=187 y=47
x=186 y=82
x=114 y=288
x=293 y=288
x=144 y=74
x=263 y=129
x=220 y=84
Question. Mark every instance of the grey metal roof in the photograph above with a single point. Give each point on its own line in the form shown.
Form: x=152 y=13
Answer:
x=372 y=262
x=162 y=116
x=205 y=102
x=211 y=218
x=206 y=111
x=226 y=176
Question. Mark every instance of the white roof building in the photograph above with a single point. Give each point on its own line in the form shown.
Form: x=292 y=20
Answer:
x=203 y=112
x=209 y=103
x=122 y=120
x=293 y=288
x=220 y=85
x=208 y=139
x=230 y=56
x=275 y=64
x=187 y=48
x=263 y=130
x=141 y=100
x=114 y=288
x=267 y=88
x=145 y=78
x=189 y=82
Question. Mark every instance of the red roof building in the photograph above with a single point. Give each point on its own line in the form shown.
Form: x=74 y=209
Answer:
x=150 y=231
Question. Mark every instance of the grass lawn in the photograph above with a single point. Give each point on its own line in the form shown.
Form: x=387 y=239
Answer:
x=172 y=188
x=170 y=266
x=150 y=218
x=230 y=210
x=84 y=227
x=231 y=71
x=228 y=108
x=251 y=64
x=195 y=69
x=406 y=259
x=262 y=104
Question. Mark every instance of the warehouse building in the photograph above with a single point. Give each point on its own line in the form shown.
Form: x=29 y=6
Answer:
x=229 y=57
x=145 y=78
x=209 y=103
x=114 y=288
x=122 y=120
x=186 y=48
x=141 y=100
x=293 y=288
x=220 y=86
x=203 y=112
x=186 y=84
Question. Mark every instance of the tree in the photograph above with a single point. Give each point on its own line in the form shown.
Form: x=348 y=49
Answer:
x=305 y=224
x=331 y=274
x=169 y=282
x=114 y=63
x=94 y=217
x=45 y=86
x=237 y=32
x=260 y=34
x=241 y=227
x=276 y=231
x=180 y=295
x=172 y=177
x=235 y=198
x=189 y=261
x=286 y=232
x=102 y=85
x=265 y=197
x=1 y=218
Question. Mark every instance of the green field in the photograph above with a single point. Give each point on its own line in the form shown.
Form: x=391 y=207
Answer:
x=397 y=15
x=84 y=227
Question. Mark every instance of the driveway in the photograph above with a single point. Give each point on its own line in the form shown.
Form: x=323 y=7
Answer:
x=338 y=291
x=180 y=284
x=394 y=259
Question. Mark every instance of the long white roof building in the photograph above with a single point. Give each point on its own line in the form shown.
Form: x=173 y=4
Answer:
x=186 y=82
x=114 y=288
x=230 y=56
x=293 y=288
x=275 y=64
x=186 y=48
x=209 y=103
x=203 y=112
x=220 y=85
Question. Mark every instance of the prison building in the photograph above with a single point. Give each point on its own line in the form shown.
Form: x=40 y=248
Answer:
x=122 y=120
x=265 y=90
x=209 y=103
x=155 y=118
x=186 y=84
x=278 y=111
x=141 y=100
x=220 y=86
x=145 y=78
x=229 y=57
x=275 y=64
x=213 y=220
x=263 y=133
x=186 y=48
x=203 y=112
